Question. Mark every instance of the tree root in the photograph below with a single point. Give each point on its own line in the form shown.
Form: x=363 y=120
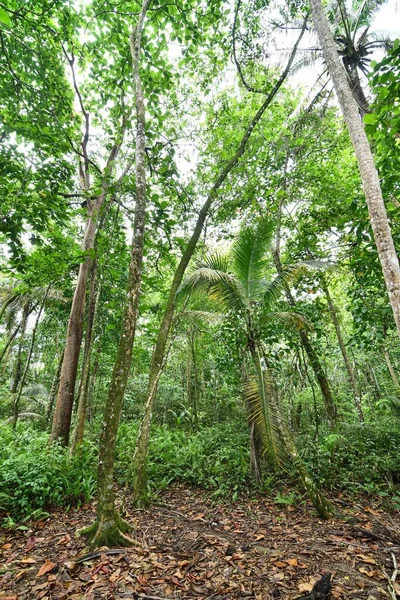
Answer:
x=109 y=532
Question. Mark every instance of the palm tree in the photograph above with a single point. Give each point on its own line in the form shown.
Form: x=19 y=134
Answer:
x=355 y=44
x=237 y=283
x=369 y=176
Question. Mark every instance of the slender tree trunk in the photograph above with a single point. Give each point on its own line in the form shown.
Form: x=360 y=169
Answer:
x=139 y=463
x=92 y=383
x=84 y=385
x=18 y=360
x=346 y=358
x=194 y=379
x=54 y=388
x=369 y=175
x=7 y=347
x=260 y=361
x=66 y=389
x=28 y=361
x=372 y=380
x=390 y=367
x=7 y=303
x=313 y=358
x=109 y=528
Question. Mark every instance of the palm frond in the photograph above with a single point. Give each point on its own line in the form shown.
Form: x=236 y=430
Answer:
x=36 y=390
x=249 y=253
x=289 y=275
x=200 y=316
x=264 y=413
x=215 y=261
x=292 y=320
x=221 y=286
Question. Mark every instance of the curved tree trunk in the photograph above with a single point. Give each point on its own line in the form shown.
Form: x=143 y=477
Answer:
x=66 y=389
x=346 y=359
x=313 y=358
x=109 y=528
x=139 y=463
x=369 y=175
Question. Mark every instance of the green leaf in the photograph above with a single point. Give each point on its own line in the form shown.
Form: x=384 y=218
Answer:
x=5 y=18
x=370 y=119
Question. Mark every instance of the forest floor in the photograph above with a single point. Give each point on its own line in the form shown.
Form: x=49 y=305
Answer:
x=191 y=547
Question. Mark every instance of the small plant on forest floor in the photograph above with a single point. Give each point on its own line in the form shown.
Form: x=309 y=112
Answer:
x=290 y=499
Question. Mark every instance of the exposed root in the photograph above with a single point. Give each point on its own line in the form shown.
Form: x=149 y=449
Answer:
x=140 y=500
x=108 y=532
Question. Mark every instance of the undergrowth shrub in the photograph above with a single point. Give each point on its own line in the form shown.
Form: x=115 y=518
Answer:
x=34 y=476
x=358 y=458
x=216 y=457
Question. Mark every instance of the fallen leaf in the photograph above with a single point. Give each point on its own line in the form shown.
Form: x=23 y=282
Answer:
x=292 y=561
x=31 y=543
x=48 y=566
x=28 y=561
x=306 y=586
x=365 y=571
x=280 y=563
x=6 y=546
x=367 y=559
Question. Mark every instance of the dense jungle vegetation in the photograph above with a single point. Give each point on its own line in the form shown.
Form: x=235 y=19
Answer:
x=199 y=219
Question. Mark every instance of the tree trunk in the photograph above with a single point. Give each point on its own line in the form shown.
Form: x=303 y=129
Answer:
x=194 y=379
x=28 y=361
x=369 y=175
x=54 y=388
x=84 y=385
x=389 y=365
x=313 y=358
x=139 y=463
x=346 y=358
x=320 y=503
x=109 y=528
x=7 y=303
x=7 y=347
x=66 y=389
x=18 y=360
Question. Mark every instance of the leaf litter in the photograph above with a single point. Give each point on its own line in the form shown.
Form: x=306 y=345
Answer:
x=192 y=548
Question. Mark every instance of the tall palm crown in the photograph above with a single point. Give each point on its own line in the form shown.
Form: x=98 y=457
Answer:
x=356 y=43
x=238 y=282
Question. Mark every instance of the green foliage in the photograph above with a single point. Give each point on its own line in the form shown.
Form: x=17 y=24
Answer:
x=35 y=477
x=216 y=458
x=359 y=458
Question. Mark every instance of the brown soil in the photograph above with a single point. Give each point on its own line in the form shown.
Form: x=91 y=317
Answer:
x=189 y=547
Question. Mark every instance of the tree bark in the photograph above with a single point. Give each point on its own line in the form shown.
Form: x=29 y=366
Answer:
x=54 y=388
x=139 y=463
x=66 y=389
x=346 y=358
x=369 y=175
x=18 y=360
x=109 y=528
x=313 y=358
x=84 y=385
x=390 y=367
x=28 y=361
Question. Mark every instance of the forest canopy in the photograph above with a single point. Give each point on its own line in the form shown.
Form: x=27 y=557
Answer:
x=199 y=273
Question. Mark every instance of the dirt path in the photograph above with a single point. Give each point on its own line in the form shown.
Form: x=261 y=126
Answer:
x=192 y=548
